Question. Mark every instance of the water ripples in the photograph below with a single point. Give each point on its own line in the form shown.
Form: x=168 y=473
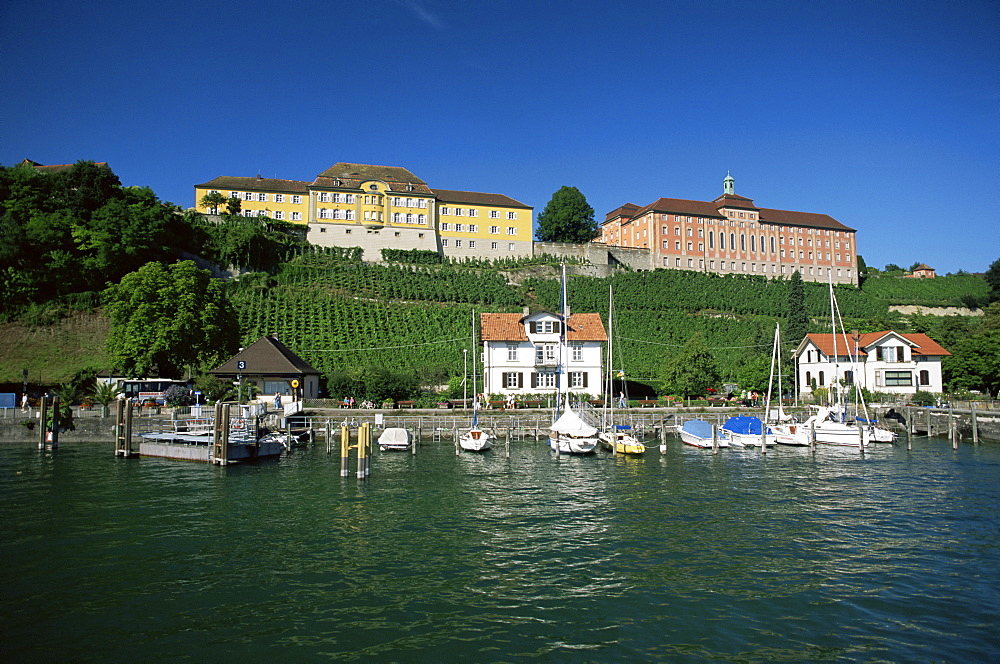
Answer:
x=683 y=557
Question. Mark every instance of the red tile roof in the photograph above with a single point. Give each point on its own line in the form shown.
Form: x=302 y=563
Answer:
x=510 y=327
x=711 y=209
x=922 y=344
x=56 y=168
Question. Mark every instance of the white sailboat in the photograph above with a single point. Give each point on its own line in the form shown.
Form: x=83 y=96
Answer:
x=475 y=439
x=617 y=438
x=569 y=433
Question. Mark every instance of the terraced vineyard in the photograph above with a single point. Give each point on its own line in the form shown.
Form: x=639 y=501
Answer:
x=341 y=314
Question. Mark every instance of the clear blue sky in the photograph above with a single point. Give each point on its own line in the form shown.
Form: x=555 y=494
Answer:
x=883 y=115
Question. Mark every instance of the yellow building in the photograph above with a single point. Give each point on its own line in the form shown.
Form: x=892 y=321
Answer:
x=286 y=200
x=385 y=207
x=477 y=225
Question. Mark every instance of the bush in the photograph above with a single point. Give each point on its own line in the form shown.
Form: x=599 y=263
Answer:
x=922 y=398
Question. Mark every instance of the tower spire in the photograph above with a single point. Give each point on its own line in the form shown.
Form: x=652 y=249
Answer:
x=729 y=184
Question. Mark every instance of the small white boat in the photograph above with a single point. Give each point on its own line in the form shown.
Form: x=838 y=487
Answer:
x=829 y=431
x=699 y=434
x=395 y=438
x=476 y=440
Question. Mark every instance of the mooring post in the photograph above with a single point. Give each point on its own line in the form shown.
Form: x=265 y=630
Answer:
x=952 y=428
x=930 y=431
x=763 y=437
x=454 y=437
x=55 y=422
x=715 y=439
x=812 y=436
x=507 y=445
x=361 y=451
x=861 y=440
x=345 y=449
x=975 y=426
x=43 y=415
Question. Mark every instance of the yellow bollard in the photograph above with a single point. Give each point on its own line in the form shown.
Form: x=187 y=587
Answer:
x=345 y=449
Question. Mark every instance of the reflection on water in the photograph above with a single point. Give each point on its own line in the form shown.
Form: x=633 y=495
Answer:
x=686 y=556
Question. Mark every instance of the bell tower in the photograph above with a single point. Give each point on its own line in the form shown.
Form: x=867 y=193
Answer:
x=729 y=184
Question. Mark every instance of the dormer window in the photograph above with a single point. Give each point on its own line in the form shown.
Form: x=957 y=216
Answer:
x=544 y=327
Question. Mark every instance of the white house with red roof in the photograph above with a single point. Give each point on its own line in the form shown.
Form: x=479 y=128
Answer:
x=880 y=361
x=522 y=353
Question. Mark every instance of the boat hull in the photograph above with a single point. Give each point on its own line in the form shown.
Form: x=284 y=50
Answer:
x=572 y=445
x=476 y=440
x=621 y=443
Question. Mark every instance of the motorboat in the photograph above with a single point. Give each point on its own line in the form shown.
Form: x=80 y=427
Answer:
x=395 y=438
x=699 y=433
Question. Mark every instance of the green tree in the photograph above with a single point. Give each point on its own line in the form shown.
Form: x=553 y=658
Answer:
x=213 y=200
x=233 y=205
x=797 y=317
x=993 y=279
x=167 y=318
x=691 y=371
x=974 y=363
x=105 y=394
x=892 y=267
x=567 y=218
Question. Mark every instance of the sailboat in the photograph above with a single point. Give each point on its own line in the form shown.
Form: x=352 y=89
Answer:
x=831 y=425
x=475 y=439
x=569 y=433
x=617 y=438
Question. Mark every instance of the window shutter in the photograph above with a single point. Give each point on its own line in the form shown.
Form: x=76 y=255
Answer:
x=520 y=379
x=585 y=378
x=534 y=380
x=533 y=327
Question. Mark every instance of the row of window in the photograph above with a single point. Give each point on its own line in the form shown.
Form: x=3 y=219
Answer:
x=722 y=239
x=472 y=212
x=474 y=228
x=514 y=380
x=753 y=248
x=264 y=198
x=471 y=244
x=276 y=214
x=763 y=225
x=753 y=267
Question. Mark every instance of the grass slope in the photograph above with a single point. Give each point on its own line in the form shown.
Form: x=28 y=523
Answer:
x=53 y=353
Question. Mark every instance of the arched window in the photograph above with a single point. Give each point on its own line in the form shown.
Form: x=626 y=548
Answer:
x=743 y=242
x=732 y=240
x=925 y=377
x=722 y=240
x=753 y=243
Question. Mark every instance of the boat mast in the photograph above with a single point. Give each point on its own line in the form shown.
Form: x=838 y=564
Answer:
x=475 y=393
x=609 y=395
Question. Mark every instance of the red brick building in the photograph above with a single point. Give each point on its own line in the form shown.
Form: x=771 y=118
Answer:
x=733 y=235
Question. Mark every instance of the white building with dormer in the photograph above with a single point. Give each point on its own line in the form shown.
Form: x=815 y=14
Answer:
x=522 y=353
x=885 y=362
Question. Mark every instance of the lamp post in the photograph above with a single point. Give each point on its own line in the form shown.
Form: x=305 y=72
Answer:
x=465 y=377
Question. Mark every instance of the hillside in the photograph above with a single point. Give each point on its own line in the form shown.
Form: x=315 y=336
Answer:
x=957 y=290
x=351 y=319
x=53 y=353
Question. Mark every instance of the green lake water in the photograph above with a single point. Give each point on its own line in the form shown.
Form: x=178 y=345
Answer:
x=679 y=557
